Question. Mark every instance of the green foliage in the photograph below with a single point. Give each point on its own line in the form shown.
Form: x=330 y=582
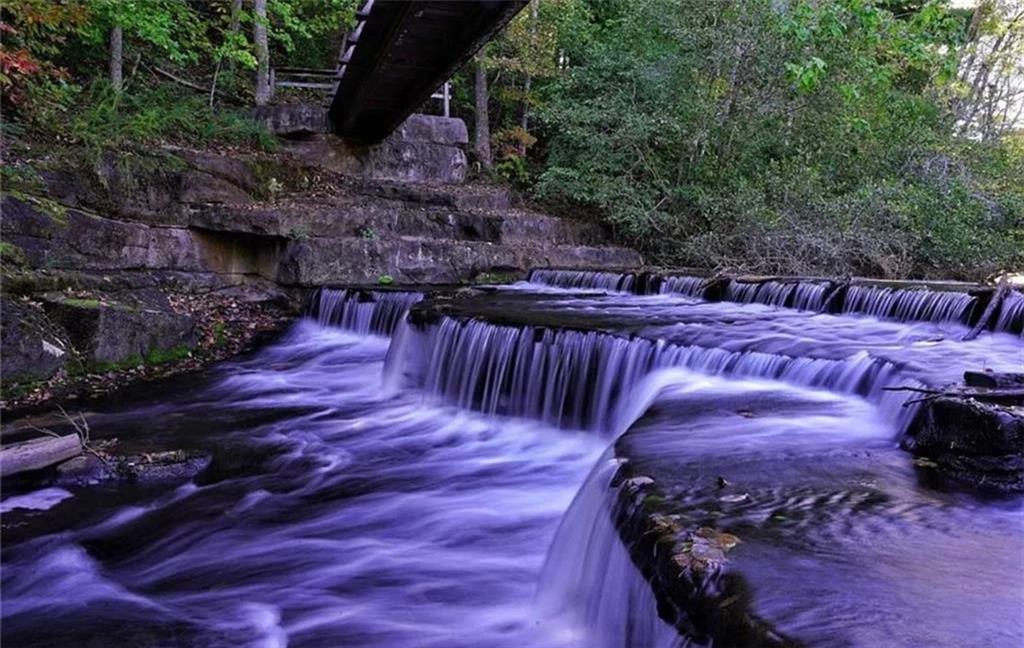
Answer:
x=778 y=137
x=385 y=280
x=172 y=27
x=308 y=31
x=54 y=57
x=99 y=118
x=162 y=356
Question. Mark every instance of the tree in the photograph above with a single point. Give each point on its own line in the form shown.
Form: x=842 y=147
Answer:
x=989 y=99
x=259 y=35
x=116 y=59
x=482 y=128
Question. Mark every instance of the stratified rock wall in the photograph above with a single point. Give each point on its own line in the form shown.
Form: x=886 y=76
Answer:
x=93 y=250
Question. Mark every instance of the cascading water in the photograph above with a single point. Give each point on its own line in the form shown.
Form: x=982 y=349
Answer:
x=686 y=286
x=582 y=279
x=1011 y=314
x=897 y=304
x=802 y=295
x=908 y=305
x=574 y=379
x=374 y=311
x=338 y=513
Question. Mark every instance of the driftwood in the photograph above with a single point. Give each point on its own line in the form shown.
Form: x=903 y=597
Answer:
x=990 y=311
x=38 y=453
x=1011 y=394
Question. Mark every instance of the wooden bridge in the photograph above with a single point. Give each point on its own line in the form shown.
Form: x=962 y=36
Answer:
x=400 y=52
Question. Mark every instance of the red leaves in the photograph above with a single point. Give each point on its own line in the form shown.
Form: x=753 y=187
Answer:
x=18 y=62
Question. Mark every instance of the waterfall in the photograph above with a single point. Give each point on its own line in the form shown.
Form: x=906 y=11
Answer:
x=362 y=311
x=590 y=584
x=582 y=279
x=802 y=295
x=899 y=304
x=1011 y=314
x=575 y=379
x=683 y=285
x=906 y=305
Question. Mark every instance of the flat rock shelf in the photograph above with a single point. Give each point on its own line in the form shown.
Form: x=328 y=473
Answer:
x=578 y=459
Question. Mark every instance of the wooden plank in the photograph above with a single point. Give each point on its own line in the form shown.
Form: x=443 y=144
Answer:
x=38 y=453
x=302 y=70
x=303 y=84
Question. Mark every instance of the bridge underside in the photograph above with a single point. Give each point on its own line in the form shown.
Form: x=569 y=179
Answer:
x=404 y=51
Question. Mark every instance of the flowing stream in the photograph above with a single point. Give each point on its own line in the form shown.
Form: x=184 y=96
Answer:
x=378 y=483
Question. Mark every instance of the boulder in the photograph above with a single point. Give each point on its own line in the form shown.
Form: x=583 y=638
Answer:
x=107 y=334
x=425 y=149
x=31 y=346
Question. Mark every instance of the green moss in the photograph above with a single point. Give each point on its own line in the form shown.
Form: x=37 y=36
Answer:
x=220 y=337
x=82 y=303
x=17 y=390
x=161 y=356
x=496 y=278
x=50 y=207
x=117 y=365
x=11 y=254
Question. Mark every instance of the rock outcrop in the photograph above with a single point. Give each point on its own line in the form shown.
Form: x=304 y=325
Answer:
x=93 y=247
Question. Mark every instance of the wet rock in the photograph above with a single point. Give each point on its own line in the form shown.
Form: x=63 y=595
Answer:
x=973 y=442
x=993 y=380
x=31 y=346
x=172 y=466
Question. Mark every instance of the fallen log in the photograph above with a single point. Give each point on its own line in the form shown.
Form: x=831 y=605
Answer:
x=38 y=453
x=1009 y=395
x=837 y=293
x=986 y=316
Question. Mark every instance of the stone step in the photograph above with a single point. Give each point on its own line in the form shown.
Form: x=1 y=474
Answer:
x=322 y=261
x=258 y=243
x=376 y=218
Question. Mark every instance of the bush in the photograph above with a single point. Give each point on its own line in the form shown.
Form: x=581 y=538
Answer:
x=99 y=118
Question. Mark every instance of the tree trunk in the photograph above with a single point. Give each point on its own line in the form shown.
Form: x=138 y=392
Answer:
x=524 y=118
x=259 y=36
x=116 y=59
x=483 y=124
